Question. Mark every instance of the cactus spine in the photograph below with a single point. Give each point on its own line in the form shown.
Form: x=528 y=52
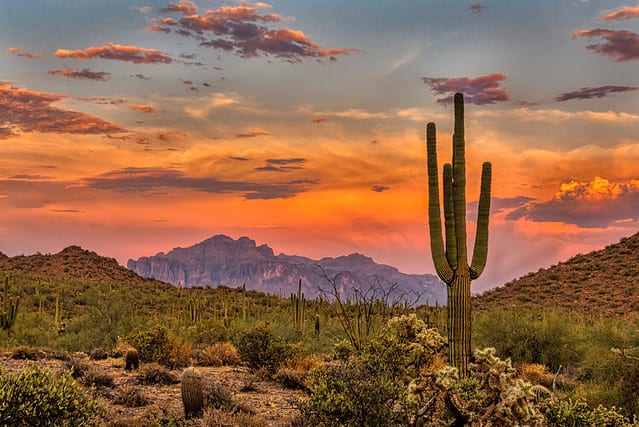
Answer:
x=451 y=260
x=192 y=395
x=9 y=308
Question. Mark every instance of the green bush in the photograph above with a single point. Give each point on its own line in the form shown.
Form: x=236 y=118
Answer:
x=260 y=348
x=157 y=345
x=577 y=413
x=36 y=397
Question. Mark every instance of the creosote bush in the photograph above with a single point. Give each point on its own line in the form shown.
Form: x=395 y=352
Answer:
x=158 y=345
x=35 y=397
x=218 y=354
x=260 y=348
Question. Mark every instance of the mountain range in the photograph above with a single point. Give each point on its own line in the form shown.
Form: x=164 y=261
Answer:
x=221 y=260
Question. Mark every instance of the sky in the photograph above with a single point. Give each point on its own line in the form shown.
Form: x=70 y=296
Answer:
x=133 y=127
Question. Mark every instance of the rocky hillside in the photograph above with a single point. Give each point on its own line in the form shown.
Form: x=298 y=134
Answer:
x=221 y=260
x=604 y=282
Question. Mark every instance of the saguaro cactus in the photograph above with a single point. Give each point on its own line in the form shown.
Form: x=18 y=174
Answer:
x=451 y=259
x=9 y=308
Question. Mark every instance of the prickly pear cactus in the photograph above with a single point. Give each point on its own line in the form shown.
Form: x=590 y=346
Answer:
x=192 y=395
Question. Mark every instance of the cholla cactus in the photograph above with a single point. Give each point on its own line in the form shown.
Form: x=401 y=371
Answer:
x=491 y=395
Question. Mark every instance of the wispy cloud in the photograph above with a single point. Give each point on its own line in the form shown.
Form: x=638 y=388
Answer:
x=480 y=90
x=621 y=46
x=23 y=53
x=621 y=14
x=84 y=73
x=380 y=188
x=245 y=31
x=282 y=165
x=477 y=7
x=31 y=111
x=135 y=54
x=594 y=92
x=252 y=134
x=143 y=180
x=596 y=204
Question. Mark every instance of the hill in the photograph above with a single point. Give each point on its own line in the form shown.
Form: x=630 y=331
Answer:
x=221 y=260
x=603 y=282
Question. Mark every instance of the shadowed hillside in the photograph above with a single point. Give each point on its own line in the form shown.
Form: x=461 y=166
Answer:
x=603 y=282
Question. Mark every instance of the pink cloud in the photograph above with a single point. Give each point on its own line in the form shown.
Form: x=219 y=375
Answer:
x=593 y=92
x=480 y=90
x=477 y=7
x=31 y=111
x=183 y=6
x=621 y=14
x=85 y=73
x=621 y=46
x=137 y=55
x=246 y=31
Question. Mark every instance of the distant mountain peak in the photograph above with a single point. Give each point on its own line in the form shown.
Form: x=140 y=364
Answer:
x=221 y=260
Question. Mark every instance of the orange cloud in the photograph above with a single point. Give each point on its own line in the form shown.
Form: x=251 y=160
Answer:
x=23 y=53
x=142 y=108
x=31 y=111
x=169 y=135
x=621 y=14
x=85 y=73
x=245 y=31
x=137 y=55
x=621 y=46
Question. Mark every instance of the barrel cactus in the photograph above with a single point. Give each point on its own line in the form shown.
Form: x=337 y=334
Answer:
x=192 y=394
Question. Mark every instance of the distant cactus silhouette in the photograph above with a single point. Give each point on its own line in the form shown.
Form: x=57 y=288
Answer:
x=192 y=395
x=451 y=260
x=9 y=308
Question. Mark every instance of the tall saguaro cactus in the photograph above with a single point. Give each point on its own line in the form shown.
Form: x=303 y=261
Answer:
x=9 y=308
x=451 y=258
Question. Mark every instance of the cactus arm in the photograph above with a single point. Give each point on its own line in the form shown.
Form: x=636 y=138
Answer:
x=459 y=182
x=480 y=250
x=449 y=216
x=443 y=269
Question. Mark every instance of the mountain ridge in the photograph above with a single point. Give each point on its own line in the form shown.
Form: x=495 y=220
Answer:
x=221 y=260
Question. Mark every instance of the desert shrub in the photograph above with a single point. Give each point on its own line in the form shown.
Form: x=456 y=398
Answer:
x=153 y=373
x=77 y=366
x=98 y=354
x=577 y=413
x=371 y=388
x=260 y=348
x=131 y=397
x=219 y=397
x=36 y=397
x=157 y=345
x=218 y=354
x=550 y=338
x=295 y=372
x=95 y=378
x=29 y=353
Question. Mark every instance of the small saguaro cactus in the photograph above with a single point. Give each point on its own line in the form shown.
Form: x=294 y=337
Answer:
x=9 y=308
x=192 y=394
x=451 y=260
x=298 y=304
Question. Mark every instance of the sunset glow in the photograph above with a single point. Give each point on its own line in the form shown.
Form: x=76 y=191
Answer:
x=133 y=128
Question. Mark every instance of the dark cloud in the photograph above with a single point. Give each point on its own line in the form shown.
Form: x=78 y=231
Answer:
x=477 y=7
x=145 y=180
x=621 y=14
x=170 y=135
x=6 y=133
x=239 y=159
x=103 y=100
x=135 y=54
x=480 y=91
x=289 y=161
x=251 y=134
x=245 y=31
x=597 y=204
x=379 y=188
x=282 y=165
x=23 y=53
x=29 y=177
x=593 y=92
x=67 y=211
x=141 y=76
x=621 y=46
x=318 y=120
x=84 y=73
x=31 y=111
